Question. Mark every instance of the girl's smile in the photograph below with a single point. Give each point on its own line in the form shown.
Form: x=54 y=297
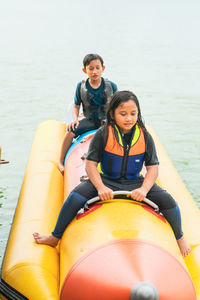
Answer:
x=126 y=115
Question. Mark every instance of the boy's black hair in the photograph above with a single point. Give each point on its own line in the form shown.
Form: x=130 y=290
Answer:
x=89 y=57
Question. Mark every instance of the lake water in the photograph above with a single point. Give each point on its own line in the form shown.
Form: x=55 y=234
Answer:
x=150 y=47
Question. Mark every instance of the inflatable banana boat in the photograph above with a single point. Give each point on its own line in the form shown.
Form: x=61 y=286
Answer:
x=117 y=249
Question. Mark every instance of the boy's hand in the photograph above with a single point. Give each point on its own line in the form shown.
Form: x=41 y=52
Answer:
x=139 y=194
x=73 y=125
x=105 y=193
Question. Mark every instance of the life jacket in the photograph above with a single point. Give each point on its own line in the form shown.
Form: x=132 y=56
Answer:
x=120 y=162
x=89 y=108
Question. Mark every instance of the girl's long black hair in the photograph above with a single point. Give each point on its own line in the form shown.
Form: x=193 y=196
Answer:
x=122 y=97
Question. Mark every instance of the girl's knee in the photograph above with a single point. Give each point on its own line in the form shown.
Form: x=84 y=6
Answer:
x=166 y=201
x=75 y=198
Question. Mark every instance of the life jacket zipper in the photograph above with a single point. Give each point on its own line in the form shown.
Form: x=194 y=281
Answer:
x=125 y=160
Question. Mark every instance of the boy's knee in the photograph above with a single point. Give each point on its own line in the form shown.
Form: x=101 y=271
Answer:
x=69 y=135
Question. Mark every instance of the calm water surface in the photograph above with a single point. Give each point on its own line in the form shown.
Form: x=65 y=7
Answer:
x=149 y=47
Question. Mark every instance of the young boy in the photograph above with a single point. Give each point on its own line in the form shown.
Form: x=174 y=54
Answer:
x=92 y=94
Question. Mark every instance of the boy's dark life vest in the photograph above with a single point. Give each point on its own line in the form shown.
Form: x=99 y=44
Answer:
x=120 y=162
x=89 y=108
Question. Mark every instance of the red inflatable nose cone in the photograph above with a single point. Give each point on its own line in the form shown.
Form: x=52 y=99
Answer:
x=128 y=269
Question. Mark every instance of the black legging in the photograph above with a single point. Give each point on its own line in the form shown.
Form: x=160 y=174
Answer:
x=156 y=194
x=85 y=191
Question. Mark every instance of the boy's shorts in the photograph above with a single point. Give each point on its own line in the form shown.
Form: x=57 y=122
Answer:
x=85 y=125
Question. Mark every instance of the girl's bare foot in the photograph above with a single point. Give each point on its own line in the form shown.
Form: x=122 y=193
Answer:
x=46 y=239
x=184 y=246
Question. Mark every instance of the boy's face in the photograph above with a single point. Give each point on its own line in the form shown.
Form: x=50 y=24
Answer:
x=94 y=70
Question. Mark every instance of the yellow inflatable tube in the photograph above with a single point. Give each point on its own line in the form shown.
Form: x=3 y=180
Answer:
x=170 y=180
x=31 y=270
x=113 y=224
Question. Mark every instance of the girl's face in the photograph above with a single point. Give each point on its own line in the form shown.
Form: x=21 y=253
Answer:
x=126 y=115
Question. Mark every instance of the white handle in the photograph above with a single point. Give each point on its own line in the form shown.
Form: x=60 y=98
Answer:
x=128 y=193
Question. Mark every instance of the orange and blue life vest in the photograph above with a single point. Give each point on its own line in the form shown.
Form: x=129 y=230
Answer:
x=119 y=161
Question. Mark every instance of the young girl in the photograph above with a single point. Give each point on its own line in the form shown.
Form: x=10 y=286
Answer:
x=114 y=161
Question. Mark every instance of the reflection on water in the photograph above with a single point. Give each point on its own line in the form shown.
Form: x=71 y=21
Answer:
x=2 y=196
